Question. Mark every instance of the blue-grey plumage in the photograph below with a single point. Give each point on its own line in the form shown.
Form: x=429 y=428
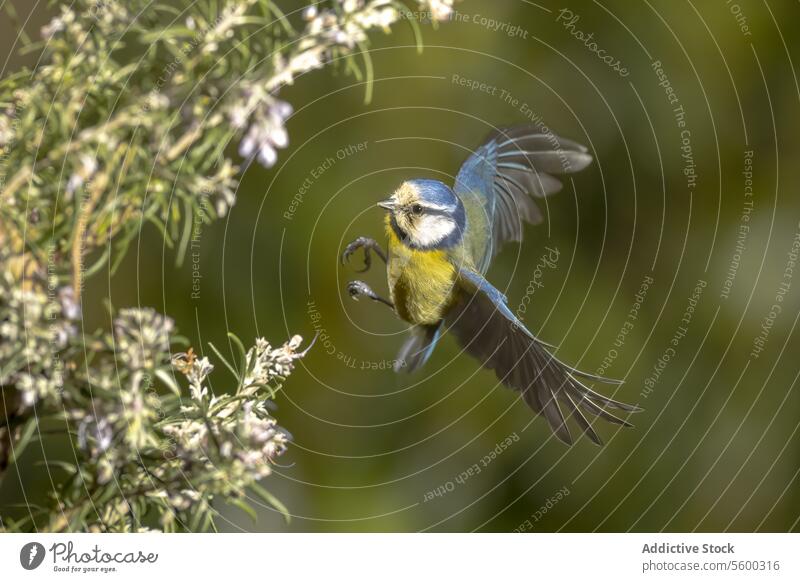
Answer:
x=441 y=242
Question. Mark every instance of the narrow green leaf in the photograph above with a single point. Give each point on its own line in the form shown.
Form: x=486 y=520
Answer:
x=242 y=353
x=28 y=430
x=270 y=499
x=370 y=72
x=188 y=220
x=224 y=361
x=63 y=465
x=169 y=380
x=412 y=22
x=241 y=504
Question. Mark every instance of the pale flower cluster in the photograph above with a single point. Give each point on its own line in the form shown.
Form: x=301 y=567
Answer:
x=265 y=363
x=223 y=28
x=233 y=436
x=221 y=186
x=325 y=30
x=34 y=330
x=266 y=133
x=142 y=337
x=106 y=15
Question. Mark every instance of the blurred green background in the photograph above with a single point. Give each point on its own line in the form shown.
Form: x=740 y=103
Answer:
x=716 y=447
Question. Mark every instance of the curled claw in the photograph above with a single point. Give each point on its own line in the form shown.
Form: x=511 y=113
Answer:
x=368 y=245
x=353 y=247
x=358 y=288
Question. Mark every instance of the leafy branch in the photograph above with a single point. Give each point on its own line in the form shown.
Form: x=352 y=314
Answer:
x=143 y=112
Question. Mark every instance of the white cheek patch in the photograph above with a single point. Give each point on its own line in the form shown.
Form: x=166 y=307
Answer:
x=433 y=229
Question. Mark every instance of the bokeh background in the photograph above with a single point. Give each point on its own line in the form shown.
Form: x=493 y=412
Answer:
x=716 y=447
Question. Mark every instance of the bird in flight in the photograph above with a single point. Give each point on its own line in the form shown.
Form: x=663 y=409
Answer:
x=441 y=243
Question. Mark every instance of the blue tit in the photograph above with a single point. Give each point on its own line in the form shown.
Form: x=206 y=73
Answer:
x=441 y=242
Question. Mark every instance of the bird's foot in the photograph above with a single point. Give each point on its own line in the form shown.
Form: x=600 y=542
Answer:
x=368 y=245
x=357 y=289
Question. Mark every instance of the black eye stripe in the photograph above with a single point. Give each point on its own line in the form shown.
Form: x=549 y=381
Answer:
x=435 y=211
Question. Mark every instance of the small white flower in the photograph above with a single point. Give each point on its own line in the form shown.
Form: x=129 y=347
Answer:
x=350 y=5
x=266 y=132
x=247 y=146
x=440 y=9
x=306 y=61
x=7 y=130
x=279 y=137
x=283 y=109
x=70 y=308
x=267 y=156
x=238 y=116
x=75 y=181
x=87 y=166
x=55 y=26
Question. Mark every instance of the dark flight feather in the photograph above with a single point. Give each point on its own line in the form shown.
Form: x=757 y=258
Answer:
x=486 y=328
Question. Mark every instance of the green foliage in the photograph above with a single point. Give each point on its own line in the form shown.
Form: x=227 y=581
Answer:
x=127 y=120
x=146 y=452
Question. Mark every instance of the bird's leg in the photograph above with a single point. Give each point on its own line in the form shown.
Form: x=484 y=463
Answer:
x=368 y=245
x=358 y=288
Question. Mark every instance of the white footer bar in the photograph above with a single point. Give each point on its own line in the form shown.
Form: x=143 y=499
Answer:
x=389 y=557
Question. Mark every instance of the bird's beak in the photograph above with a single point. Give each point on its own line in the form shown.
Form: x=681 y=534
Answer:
x=387 y=204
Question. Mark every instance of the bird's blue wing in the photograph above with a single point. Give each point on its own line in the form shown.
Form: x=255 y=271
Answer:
x=488 y=330
x=498 y=300
x=513 y=166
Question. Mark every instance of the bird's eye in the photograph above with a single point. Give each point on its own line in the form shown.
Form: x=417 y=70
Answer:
x=416 y=209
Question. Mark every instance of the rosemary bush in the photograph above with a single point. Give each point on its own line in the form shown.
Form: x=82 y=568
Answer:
x=143 y=111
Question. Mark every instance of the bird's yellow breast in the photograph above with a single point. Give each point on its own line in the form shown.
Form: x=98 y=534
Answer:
x=420 y=282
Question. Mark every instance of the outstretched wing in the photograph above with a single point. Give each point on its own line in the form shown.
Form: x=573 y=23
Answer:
x=486 y=328
x=514 y=166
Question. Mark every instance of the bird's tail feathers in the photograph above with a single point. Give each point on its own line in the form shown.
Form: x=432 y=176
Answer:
x=556 y=388
x=417 y=348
